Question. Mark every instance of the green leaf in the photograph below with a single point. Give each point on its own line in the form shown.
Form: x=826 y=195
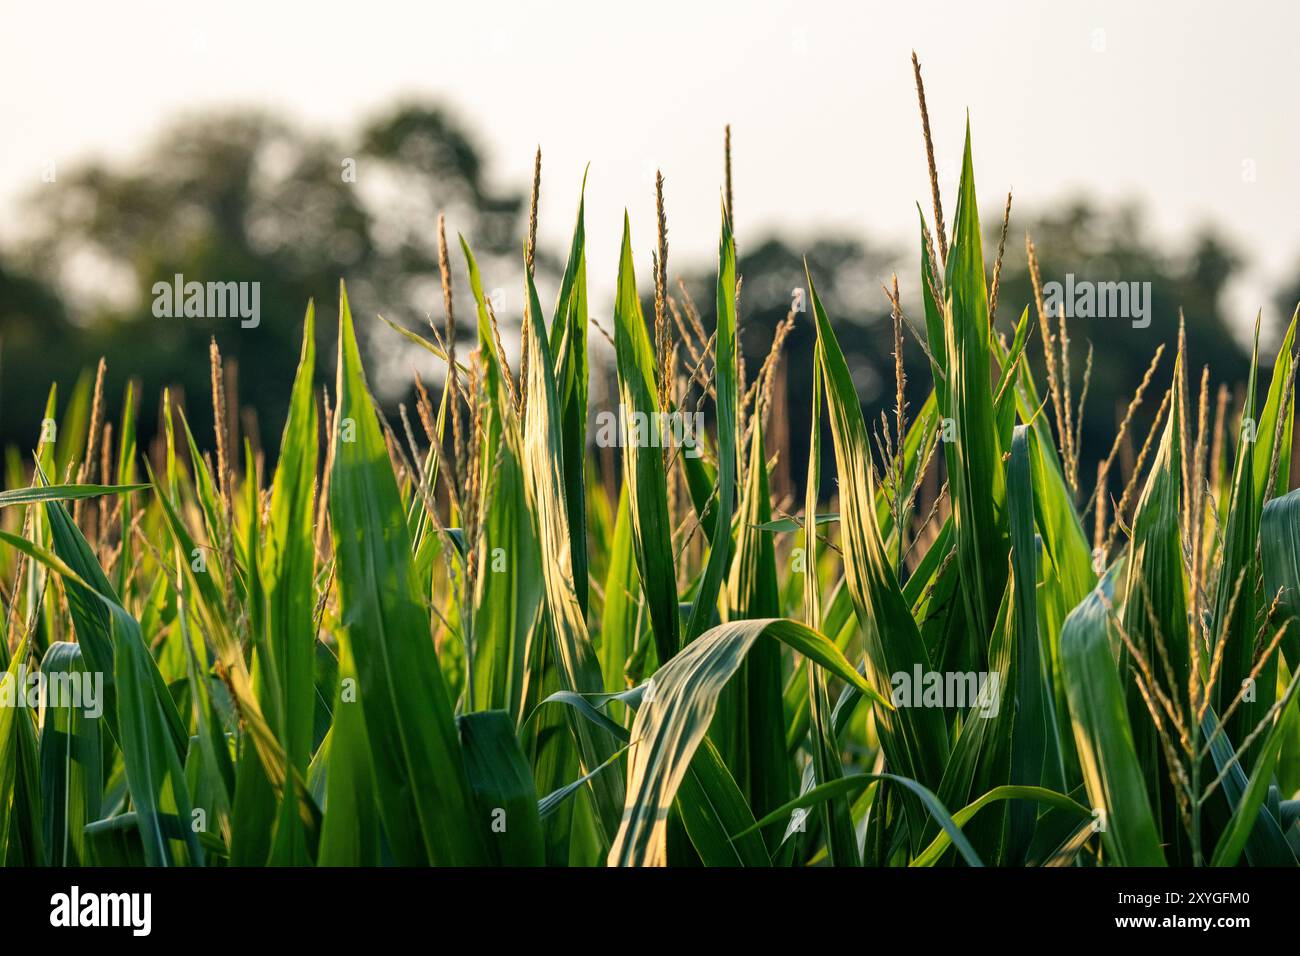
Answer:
x=70 y=758
x=543 y=458
x=951 y=828
x=288 y=574
x=503 y=787
x=25 y=496
x=569 y=346
x=9 y=717
x=350 y=832
x=509 y=574
x=1115 y=781
x=622 y=611
x=1279 y=546
x=1022 y=794
x=673 y=720
x=288 y=566
x=1267 y=427
x=915 y=739
x=1033 y=749
x=420 y=783
x=841 y=839
x=1155 y=604
x=977 y=475
x=725 y=383
x=154 y=763
x=1234 y=838
x=1237 y=570
x=149 y=730
x=643 y=470
x=712 y=808
x=755 y=726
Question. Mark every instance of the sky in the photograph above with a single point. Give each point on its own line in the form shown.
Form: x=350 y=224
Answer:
x=1188 y=107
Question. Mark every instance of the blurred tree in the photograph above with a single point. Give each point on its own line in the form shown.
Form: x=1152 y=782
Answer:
x=1111 y=245
x=1288 y=299
x=33 y=327
x=848 y=274
x=238 y=198
x=247 y=197
x=1080 y=237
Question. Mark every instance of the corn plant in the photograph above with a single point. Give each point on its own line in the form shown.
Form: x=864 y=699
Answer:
x=433 y=638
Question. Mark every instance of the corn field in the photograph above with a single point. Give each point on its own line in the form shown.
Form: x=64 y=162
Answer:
x=436 y=638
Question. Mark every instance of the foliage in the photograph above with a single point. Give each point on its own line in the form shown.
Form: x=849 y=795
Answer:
x=450 y=647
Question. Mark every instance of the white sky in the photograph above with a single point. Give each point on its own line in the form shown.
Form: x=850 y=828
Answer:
x=819 y=96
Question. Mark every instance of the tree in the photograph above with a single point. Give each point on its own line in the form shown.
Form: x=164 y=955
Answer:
x=848 y=273
x=1111 y=245
x=1091 y=242
x=239 y=197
